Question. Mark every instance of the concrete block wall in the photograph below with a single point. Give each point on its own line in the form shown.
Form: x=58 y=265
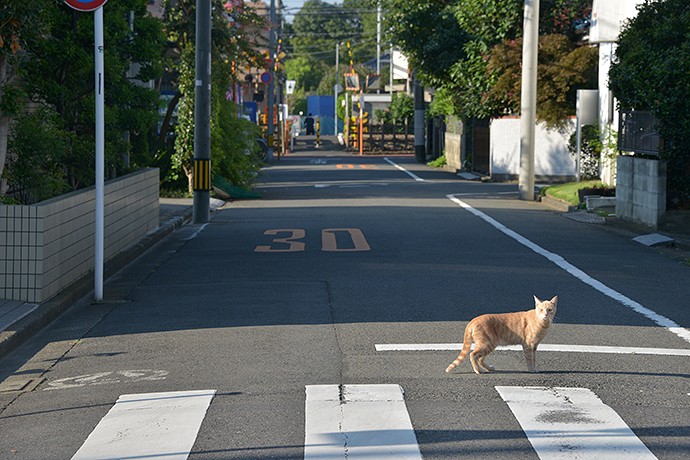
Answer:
x=641 y=190
x=453 y=150
x=453 y=143
x=47 y=246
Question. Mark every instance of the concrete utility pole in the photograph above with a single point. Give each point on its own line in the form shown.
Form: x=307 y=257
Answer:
x=335 y=90
x=378 y=41
x=202 y=114
x=271 y=85
x=419 y=149
x=528 y=103
x=390 y=68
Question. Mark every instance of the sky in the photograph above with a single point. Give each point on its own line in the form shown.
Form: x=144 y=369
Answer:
x=293 y=6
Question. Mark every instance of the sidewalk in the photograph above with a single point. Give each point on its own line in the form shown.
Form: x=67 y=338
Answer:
x=680 y=235
x=19 y=320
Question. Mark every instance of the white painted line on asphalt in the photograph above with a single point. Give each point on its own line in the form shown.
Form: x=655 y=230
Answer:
x=108 y=377
x=569 y=423
x=196 y=233
x=358 y=422
x=542 y=347
x=161 y=426
x=579 y=274
x=411 y=174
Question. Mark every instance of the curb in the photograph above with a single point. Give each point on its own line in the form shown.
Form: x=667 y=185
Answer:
x=11 y=339
x=628 y=229
x=557 y=204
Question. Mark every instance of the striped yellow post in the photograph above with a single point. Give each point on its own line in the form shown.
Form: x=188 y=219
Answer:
x=202 y=174
x=318 y=132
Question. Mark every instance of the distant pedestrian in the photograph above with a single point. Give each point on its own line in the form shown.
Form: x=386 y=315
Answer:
x=309 y=124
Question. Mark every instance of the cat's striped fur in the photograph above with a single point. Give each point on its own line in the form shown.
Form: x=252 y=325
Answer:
x=526 y=328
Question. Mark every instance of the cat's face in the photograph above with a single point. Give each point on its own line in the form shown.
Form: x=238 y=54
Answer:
x=546 y=309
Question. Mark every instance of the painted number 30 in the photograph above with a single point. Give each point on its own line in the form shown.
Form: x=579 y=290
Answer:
x=332 y=240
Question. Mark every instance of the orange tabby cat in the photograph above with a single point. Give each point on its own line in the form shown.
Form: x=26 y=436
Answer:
x=526 y=328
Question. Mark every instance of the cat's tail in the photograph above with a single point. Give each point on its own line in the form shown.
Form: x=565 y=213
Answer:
x=466 y=345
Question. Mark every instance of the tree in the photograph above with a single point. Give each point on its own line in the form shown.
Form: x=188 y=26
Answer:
x=467 y=50
x=18 y=21
x=37 y=149
x=312 y=38
x=57 y=69
x=651 y=72
x=402 y=107
x=306 y=71
x=236 y=37
x=428 y=34
x=563 y=68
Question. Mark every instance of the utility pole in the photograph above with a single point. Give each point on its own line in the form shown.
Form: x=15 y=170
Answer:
x=335 y=90
x=271 y=84
x=419 y=149
x=378 y=41
x=202 y=114
x=528 y=103
x=390 y=67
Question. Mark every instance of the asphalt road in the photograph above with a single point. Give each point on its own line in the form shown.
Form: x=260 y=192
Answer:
x=344 y=253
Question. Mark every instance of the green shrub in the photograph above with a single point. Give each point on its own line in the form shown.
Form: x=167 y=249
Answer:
x=438 y=162
x=36 y=149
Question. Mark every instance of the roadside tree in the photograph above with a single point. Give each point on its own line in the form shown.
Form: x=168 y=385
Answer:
x=470 y=51
x=236 y=39
x=56 y=71
x=19 y=20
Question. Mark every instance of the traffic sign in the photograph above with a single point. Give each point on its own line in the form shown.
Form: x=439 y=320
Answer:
x=266 y=77
x=85 y=5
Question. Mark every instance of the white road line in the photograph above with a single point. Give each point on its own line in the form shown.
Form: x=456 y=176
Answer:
x=579 y=274
x=358 y=422
x=569 y=423
x=411 y=174
x=196 y=233
x=160 y=426
x=542 y=347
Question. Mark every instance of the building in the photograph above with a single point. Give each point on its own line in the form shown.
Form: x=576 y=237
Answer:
x=608 y=17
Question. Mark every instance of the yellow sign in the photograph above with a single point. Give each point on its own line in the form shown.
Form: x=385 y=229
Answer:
x=202 y=175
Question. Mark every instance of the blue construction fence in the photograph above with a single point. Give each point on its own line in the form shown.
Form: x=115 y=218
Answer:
x=323 y=107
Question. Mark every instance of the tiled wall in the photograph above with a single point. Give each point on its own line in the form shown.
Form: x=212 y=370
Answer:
x=47 y=246
x=21 y=251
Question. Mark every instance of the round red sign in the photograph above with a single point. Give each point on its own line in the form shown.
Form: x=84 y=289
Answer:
x=85 y=5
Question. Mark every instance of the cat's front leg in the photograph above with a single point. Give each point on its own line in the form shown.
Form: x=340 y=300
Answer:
x=530 y=357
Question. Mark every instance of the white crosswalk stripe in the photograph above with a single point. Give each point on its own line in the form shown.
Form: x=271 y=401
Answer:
x=358 y=422
x=149 y=425
x=366 y=422
x=572 y=423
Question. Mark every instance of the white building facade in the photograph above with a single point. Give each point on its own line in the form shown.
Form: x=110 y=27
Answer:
x=608 y=18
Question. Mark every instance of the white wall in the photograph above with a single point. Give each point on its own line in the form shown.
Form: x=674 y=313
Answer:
x=608 y=16
x=552 y=161
x=608 y=115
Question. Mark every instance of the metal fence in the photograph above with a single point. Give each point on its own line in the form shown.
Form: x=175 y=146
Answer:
x=638 y=133
x=382 y=138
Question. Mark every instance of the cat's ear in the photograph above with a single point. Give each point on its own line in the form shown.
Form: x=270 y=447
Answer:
x=536 y=300
x=554 y=301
